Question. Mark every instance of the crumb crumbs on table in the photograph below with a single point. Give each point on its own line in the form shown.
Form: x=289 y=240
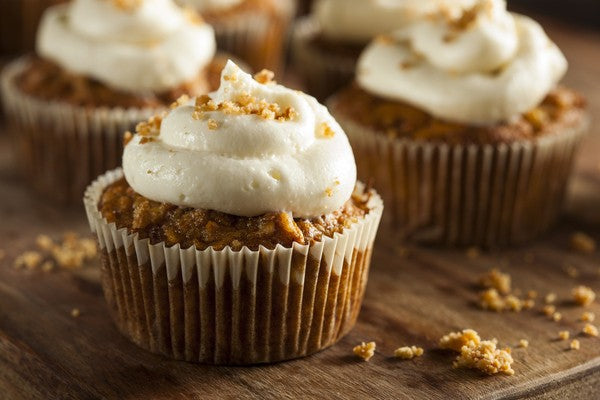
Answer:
x=365 y=350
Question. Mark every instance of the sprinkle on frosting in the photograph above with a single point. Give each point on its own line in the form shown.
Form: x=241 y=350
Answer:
x=127 y=5
x=265 y=77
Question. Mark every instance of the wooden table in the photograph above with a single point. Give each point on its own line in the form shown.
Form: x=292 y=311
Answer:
x=413 y=297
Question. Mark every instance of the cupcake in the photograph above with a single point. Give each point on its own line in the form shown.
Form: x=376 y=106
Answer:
x=327 y=43
x=101 y=67
x=254 y=30
x=459 y=119
x=236 y=232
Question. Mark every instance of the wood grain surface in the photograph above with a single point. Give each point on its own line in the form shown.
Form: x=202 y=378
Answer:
x=414 y=296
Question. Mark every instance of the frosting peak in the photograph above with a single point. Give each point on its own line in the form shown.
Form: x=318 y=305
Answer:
x=132 y=45
x=480 y=65
x=246 y=149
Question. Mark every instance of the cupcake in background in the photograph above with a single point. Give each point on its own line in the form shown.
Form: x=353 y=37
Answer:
x=256 y=31
x=236 y=232
x=459 y=119
x=100 y=67
x=327 y=43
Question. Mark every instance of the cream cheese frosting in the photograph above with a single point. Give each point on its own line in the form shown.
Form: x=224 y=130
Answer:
x=246 y=149
x=211 y=5
x=481 y=66
x=136 y=46
x=361 y=20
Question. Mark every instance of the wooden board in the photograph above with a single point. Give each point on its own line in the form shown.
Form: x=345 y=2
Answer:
x=412 y=298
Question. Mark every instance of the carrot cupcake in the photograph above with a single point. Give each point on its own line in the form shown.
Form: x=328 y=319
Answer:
x=236 y=232
x=327 y=43
x=254 y=30
x=101 y=67
x=459 y=119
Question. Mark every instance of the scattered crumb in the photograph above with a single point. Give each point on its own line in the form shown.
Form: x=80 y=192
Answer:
x=473 y=253
x=575 y=345
x=588 y=316
x=496 y=280
x=513 y=303
x=583 y=295
x=550 y=298
x=75 y=312
x=564 y=335
x=325 y=131
x=491 y=300
x=528 y=304
x=532 y=294
x=212 y=124
x=456 y=340
x=549 y=310
x=486 y=358
x=365 y=350
x=556 y=316
x=583 y=243
x=29 y=260
x=407 y=353
x=590 y=330
x=524 y=343
x=265 y=76
x=70 y=252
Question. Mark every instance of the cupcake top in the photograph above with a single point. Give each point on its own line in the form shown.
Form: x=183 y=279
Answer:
x=130 y=45
x=249 y=148
x=476 y=65
x=211 y=5
x=358 y=21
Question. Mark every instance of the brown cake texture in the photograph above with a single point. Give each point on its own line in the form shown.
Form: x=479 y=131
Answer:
x=162 y=222
x=560 y=109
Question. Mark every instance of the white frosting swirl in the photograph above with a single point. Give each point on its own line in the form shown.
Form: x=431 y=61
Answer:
x=247 y=165
x=496 y=66
x=361 y=20
x=153 y=46
x=211 y=5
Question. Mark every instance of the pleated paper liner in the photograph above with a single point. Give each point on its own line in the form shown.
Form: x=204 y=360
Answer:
x=227 y=307
x=324 y=72
x=485 y=195
x=259 y=38
x=61 y=147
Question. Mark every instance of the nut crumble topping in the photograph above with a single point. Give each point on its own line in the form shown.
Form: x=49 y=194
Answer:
x=550 y=298
x=549 y=310
x=496 y=280
x=264 y=76
x=588 y=316
x=583 y=295
x=127 y=5
x=575 y=345
x=244 y=104
x=365 y=350
x=564 y=335
x=486 y=358
x=456 y=340
x=524 y=343
x=590 y=330
x=408 y=352
x=325 y=131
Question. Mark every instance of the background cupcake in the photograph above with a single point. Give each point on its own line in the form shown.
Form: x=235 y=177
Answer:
x=459 y=120
x=101 y=67
x=254 y=30
x=235 y=237
x=327 y=43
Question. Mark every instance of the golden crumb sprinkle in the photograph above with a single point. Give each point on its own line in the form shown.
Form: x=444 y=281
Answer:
x=564 y=335
x=127 y=136
x=408 y=352
x=127 y=5
x=325 y=131
x=528 y=304
x=550 y=298
x=492 y=300
x=556 y=316
x=265 y=76
x=583 y=243
x=385 y=39
x=486 y=358
x=150 y=128
x=365 y=350
x=44 y=242
x=524 y=343
x=244 y=104
x=329 y=192
x=75 y=312
x=456 y=340
x=496 y=280
x=588 y=316
x=181 y=100
x=29 y=260
x=212 y=124
x=549 y=310
x=590 y=330
x=575 y=345
x=583 y=295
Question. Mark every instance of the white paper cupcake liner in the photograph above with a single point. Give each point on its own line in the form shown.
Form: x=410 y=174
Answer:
x=233 y=307
x=61 y=147
x=485 y=195
x=323 y=72
x=258 y=37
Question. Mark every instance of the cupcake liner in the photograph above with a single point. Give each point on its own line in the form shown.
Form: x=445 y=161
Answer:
x=62 y=147
x=232 y=307
x=485 y=195
x=323 y=72
x=258 y=37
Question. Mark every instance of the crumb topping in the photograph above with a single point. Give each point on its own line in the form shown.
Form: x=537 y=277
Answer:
x=127 y=5
x=575 y=345
x=564 y=335
x=588 y=316
x=325 y=131
x=496 y=280
x=590 y=330
x=408 y=352
x=583 y=295
x=549 y=310
x=244 y=104
x=264 y=76
x=524 y=343
x=365 y=350
x=456 y=340
x=550 y=298
x=583 y=243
